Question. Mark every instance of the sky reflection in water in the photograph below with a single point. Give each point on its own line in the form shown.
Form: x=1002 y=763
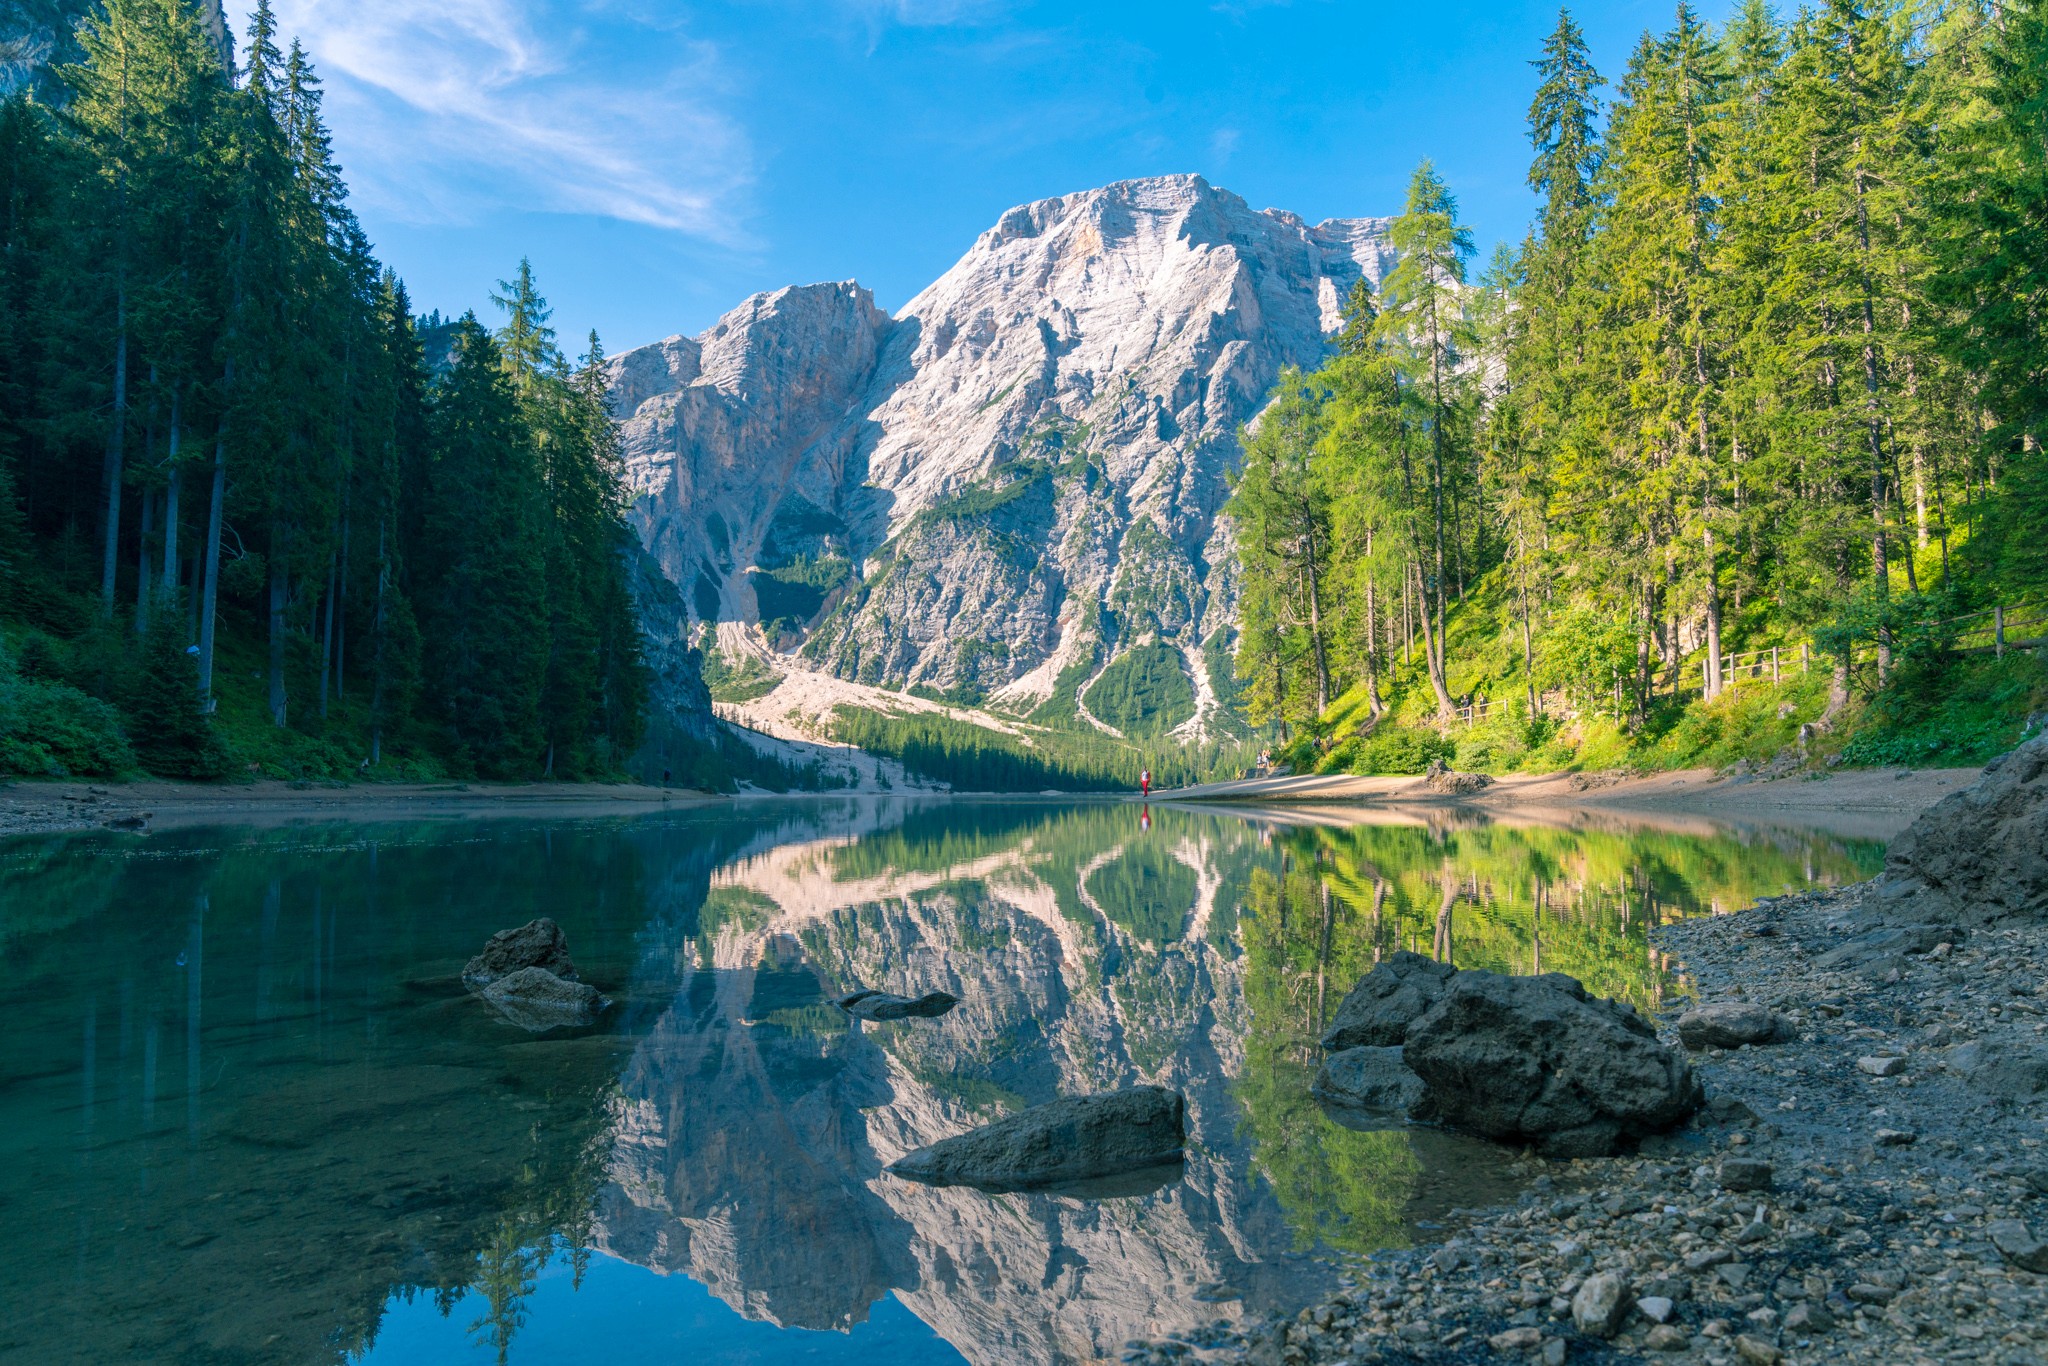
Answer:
x=251 y=1114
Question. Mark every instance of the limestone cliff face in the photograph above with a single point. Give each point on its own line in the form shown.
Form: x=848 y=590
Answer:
x=754 y=1120
x=36 y=34
x=1015 y=479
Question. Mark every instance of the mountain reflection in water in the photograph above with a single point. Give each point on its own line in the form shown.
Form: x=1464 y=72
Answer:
x=250 y=1114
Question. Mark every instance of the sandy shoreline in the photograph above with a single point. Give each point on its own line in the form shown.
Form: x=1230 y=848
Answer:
x=32 y=808
x=1871 y=803
x=1877 y=803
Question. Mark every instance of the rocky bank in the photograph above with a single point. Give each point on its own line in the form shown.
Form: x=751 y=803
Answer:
x=1866 y=1184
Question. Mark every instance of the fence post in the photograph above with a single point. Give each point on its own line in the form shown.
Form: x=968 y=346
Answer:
x=1804 y=651
x=1998 y=632
x=1774 y=666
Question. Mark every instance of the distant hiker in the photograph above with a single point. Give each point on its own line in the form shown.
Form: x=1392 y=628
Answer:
x=1145 y=783
x=664 y=777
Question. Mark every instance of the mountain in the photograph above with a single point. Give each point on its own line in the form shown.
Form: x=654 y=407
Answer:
x=753 y=1121
x=1012 y=485
x=34 y=34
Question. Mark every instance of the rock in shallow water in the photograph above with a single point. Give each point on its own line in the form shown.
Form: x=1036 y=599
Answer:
x=880 y=1005
x=1537 y=1060
x=1076 y=1138
x=1377 y=1012
x=536 y=944
x=537 y=1000
x=1369 y=1079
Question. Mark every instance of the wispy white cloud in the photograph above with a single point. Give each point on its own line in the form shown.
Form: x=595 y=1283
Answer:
x=448 y=110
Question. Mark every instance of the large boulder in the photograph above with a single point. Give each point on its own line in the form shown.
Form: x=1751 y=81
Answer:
x=1978 y=855
x=1072 y=1139
x=536 y=944
x=880 y=1005
x=1374 y=1079
x=1377 y=1012
x=1536 y=1060
x=537 y=1000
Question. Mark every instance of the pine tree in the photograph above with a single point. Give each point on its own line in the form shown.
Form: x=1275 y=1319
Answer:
x=483 y=616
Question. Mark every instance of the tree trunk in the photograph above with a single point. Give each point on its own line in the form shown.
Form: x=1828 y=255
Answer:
x=1528 y=644
x=1315 y=625
x=377 y=659
x=327 y=636
x=1432 y=650
x=116 y=444
x=142 y=561
x=341 y=620
x=170 y=575
x=209 y=608
x=277 y=595
x=1880 y=570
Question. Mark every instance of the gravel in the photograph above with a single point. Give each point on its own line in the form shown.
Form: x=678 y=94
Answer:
x=1817 y=1211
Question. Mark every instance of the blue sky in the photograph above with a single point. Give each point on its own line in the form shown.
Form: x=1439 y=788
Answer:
x=659 y=160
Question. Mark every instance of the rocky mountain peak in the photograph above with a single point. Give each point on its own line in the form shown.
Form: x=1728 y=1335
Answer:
x=1015 y=482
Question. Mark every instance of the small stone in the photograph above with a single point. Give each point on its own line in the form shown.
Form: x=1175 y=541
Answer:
x=1745 y=1174
x=1554 y=1352
x=1863 y=1292
x=1808 y=1318
x=1894 y=1138
x=2017 y=1244
x=1656 y=1308
x=1729 y=1024
x=1708 y=1257
x=1754 y=1232
x=1881 y=1066
x=1416 y=1331
x=1756 y=1351
x=1667 y=1337
x=1601 y=1304
x=1734 y=1275
x=1515 y=1340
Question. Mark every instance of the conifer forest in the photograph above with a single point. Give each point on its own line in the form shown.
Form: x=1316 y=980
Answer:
x=255 y=516
x=1759 y=400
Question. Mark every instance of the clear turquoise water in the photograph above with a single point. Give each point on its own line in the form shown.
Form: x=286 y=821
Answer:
x=248 y=1113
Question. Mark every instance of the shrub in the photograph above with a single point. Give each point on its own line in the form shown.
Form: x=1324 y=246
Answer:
x=52 y=730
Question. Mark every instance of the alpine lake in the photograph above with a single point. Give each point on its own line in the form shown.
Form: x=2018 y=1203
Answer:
x=249 y=1113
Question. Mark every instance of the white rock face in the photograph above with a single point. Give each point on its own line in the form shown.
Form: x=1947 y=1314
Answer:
x=1015 y=479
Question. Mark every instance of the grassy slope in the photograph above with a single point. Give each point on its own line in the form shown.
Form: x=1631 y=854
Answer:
x=1953 y=710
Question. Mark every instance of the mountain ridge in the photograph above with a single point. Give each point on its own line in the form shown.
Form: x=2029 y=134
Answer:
x=1012 y=483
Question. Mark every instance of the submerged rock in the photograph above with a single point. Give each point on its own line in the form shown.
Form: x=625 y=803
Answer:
x=1072 y=1139
x=880 y=1005
x=1536 y=1060
x=1369 y=1079
x=1978 y=855
x=537 y=1000
x=1377 y=1012
x=536 y=944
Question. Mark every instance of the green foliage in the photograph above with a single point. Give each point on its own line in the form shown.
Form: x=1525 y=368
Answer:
x=1768 y=370
x=1144 y=693
x=219 y=425
x=974 y=758
x=1390 y=749
x=49 y=729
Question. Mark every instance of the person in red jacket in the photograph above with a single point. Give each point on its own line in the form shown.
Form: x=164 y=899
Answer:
x=1145 y=783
